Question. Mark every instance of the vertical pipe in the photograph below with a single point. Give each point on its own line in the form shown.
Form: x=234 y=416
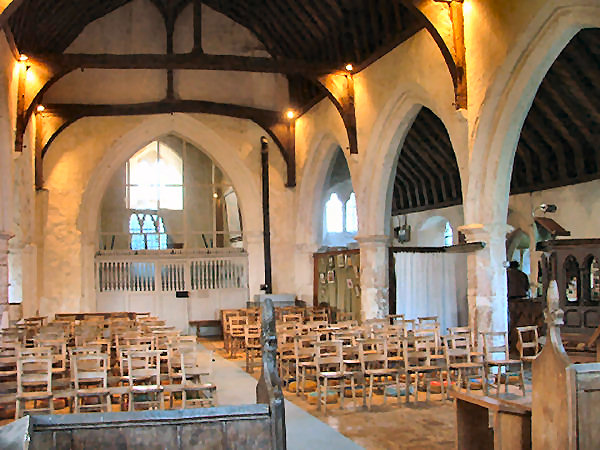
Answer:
x=264 y=157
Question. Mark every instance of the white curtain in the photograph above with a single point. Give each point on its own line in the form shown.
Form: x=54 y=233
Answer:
x=426 y=286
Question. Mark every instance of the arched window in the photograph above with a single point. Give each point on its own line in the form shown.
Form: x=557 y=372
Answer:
x=170 y=187
x=448 y=235
x=351 y=215
x=334 y=214
x=147 y=232
x=155 y=178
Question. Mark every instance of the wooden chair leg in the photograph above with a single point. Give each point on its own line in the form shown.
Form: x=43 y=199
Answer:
x=326 y=394
x=319 y=393
x=370 y=392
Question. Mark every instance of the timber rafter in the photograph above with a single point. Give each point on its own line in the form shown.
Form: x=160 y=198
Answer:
x=281 y=131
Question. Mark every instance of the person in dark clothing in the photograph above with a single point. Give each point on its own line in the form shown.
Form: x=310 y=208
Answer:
x=517 y=280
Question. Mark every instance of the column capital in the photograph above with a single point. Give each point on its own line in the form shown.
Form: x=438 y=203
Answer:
x=373 y=240
x=479 y=232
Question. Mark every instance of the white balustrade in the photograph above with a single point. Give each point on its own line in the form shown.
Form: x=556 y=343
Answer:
x=169 y=271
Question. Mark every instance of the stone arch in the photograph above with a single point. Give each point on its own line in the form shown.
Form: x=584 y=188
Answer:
x=374 y=195
x=201 y=136
x=314 y=176
x=322 y=151
x=507 y=103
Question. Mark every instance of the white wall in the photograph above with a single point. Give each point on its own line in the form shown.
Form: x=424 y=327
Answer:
x=388 y=96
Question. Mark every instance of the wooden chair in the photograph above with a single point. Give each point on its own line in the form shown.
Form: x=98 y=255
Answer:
x=89 y=370
x=292 y=318
x=474 y=344
x=417 y=362
x=304 y=354
x=427 y=322
x=329 y=363
x=253 y=347
x=34 y=383
x=285 y=354
x=123 y=362
x=528 y=342
x=319 y=315
x=373 y=356
x=144 y=379
x=459 y=362
x=237 y=325
x=195 y=366
x=9 y=352
x=496 y=355
x=58 y=348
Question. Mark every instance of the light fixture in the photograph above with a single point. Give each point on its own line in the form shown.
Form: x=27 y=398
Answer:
x=41 y=108
x=349 y=67
x=545 y=208
x=215 y=195
x=23 y=57
x=290 y=114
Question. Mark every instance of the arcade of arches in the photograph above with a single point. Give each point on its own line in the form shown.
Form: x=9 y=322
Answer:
x=436 y=134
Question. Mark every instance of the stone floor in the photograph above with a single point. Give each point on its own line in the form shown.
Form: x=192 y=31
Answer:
x=426 y=426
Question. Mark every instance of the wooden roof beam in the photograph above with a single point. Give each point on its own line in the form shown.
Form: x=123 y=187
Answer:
x=273 y=122
x=181 y=61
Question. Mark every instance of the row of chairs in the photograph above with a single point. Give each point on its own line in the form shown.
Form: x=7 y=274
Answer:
x=393 y=352
x=92 y=361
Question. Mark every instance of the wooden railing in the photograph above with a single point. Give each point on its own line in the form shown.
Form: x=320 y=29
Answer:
x=171 y=271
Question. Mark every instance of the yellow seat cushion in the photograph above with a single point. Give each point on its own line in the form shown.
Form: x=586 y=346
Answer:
x=309 y=386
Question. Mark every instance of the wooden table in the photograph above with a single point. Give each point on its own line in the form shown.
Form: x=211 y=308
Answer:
x=508 y=427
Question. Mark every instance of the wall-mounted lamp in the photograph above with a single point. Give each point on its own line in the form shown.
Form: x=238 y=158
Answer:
x=349 y=67
x=545 y=208
x=40 y=108
x=290 y=114
x=215 y=195
x=23 y=57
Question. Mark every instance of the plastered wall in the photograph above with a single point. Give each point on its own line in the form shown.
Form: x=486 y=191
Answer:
x=388 y=96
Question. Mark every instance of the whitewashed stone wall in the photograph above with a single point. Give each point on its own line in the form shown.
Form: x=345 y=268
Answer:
x=510 y=45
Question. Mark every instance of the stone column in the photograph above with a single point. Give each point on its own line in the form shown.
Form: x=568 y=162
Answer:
x=374 y=276
x=486 y=277
x=304 y=272
x=253 y=243
x=4 y=237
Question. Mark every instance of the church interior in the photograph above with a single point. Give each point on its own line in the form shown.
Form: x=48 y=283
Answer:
x=300 y=224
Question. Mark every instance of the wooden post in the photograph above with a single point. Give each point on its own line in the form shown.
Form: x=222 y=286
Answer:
x=268 y=389
x=264 y=158
x=458 y=32
x=20 y=126
x=39 y=163
x=550 y=421
x=198 y=27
